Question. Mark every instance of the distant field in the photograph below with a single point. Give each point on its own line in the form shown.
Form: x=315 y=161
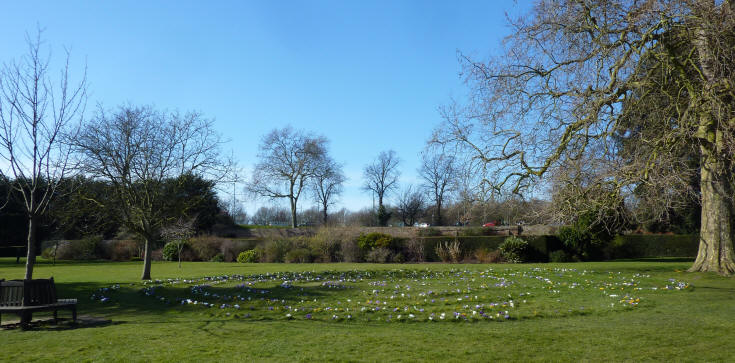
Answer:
x=610 y=311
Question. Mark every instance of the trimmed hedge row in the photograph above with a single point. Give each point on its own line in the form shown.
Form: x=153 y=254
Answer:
x=623 y=246
x=202 y=248
x=654 y=245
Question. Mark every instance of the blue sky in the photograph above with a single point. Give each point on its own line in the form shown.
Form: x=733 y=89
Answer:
x=368 y=75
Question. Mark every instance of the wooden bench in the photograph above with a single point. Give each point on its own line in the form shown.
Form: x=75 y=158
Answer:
x=24 y=297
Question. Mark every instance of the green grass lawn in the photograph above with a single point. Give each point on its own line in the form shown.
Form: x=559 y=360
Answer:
x=633 y=310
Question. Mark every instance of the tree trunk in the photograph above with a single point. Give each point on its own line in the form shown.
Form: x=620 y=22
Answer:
x=325 y=215
x=438 y=213
x=293 y=212
x=31 y=243
x=716 y=234
x=147 y=260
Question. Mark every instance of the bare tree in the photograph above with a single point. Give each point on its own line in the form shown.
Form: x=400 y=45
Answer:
x=327 y=184
x=179 y=232
x=439 y=174
x=36 y=115
x=137 y=150
x=381 y=177
x=410 y=205
x=574 y=75
x=288 y=160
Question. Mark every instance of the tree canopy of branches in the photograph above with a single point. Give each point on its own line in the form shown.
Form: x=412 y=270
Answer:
x=289 y=159
x=138 y=151
x=577 y=75
x=381 y=177
x=77 y=212
x=439 y=173
x=327 y=184
x=36 y=115
x=267 y=215
x=410 y=206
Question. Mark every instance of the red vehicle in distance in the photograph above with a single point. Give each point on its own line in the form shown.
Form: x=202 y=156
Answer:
x=490 y=224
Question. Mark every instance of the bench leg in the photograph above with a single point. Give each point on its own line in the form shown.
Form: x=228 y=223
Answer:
x=56 y=317
x=74 y=313
x=25 y=319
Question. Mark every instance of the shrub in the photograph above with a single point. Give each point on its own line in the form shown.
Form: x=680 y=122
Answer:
x=206 y=247
x=119 y=250
x=275 y=250
x=260 y=253
x=350 y=251
x=249 y=256
x=449 y=252
x=415 y=250
x=484 y=255
x=455 y=252
x=123 y=250
x=325 y=245
x=378 y=255
x=398 y=258
x=539 y=245
x=298 y=255
x=83 y=249
x=218 y=258
x=156 y=255
x=229 y=250
x=376 y=240
x=560 y=256
x=443 y=252
x=171 y=251
x=580 y=242
x=515 y=250
x=48 y=253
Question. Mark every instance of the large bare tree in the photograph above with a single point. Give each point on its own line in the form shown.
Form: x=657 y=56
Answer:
x=138 y=150
x=575 y=74
x=36 y=116
x=381 y=177
x=439 y=173
x=327 y=184
x=289 y=159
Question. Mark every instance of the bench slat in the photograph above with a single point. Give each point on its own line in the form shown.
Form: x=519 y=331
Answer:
x=24 y=297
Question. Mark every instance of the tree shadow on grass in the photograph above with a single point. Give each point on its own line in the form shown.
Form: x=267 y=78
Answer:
x=63 y=324
x=11 y=262
x=127 y=303
x=657 y=259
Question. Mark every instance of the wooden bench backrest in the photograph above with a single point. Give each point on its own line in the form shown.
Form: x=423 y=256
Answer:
x=11 y=293
x=27 y=292
x=39 y=292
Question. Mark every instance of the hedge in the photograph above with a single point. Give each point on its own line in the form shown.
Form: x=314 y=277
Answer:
x=654 y=245
x=541 y=245
x=623 y=246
